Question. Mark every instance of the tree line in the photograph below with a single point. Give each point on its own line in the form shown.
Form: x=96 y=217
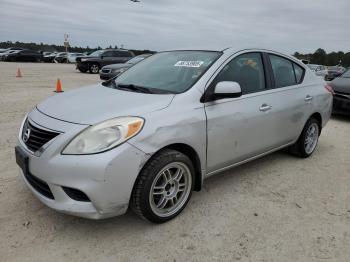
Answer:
x=321 y=57
x=60 y=48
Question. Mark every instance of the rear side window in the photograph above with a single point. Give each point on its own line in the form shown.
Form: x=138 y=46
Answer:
x=286 y=73
x=108 y=54
x=122 y=54
x=247 y=70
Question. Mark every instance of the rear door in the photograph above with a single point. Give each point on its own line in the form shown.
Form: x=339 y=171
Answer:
x=293 y=102
x=108 y=57
x=122 y=56
x=244 y=127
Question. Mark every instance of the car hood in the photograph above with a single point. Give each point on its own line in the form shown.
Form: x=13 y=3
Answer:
x=341 y=84
x=94 y=104
x=117 y=66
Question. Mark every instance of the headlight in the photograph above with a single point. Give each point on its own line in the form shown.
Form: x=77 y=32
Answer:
x=104 y=136
x=83 y=59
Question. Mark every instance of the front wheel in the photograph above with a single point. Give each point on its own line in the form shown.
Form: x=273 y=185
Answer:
x=94 y=68
x=308 y=139
x=163 y=187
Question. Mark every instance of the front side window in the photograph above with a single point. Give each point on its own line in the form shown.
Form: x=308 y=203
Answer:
x=247 y=70
x=286 y=73
x=97 y=53
x=172 y=72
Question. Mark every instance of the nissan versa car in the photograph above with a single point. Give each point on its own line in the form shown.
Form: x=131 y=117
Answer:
x=149 y=137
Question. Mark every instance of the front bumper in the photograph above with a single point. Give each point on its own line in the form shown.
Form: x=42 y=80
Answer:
x=106 y=179
x=107 y=76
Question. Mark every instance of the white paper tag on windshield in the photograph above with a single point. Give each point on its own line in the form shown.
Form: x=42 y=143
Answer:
x=189 y=63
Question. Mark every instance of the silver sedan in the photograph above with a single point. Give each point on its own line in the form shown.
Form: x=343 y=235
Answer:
x=150 y=137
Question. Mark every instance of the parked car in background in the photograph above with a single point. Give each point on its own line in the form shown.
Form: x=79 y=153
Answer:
x=61 y=57
x=49 y=58
x=96 y=60
x=24 y=56
x=5 y=53
x=73 y=56
x=334 y=72
x=109 y=71
x=319 y=70
x=341 y=87
x=150 y=137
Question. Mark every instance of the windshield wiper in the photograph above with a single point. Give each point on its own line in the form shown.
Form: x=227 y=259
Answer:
x=135 y=88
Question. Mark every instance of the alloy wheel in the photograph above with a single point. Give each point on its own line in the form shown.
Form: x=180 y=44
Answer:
x=311 y=138
x=170 y=189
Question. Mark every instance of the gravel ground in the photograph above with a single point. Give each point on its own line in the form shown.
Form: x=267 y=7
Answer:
x=277 y=208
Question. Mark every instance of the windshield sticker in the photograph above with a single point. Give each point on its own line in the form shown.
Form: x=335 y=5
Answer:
x=189 y=63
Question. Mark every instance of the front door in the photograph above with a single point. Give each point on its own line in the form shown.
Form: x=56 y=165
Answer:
x=240 y=128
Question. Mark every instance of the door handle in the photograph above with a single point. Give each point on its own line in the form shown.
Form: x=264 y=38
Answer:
x=265 y=107
x=308 y=98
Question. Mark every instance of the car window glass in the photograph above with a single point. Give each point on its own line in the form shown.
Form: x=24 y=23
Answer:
x=122 y=54
x=247 y=70
x=108 y=54
x=299 y=71
x=283 y=71
x=127 y=54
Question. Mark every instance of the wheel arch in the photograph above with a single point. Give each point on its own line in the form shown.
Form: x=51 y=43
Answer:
x=191 y=153
x=318 y=117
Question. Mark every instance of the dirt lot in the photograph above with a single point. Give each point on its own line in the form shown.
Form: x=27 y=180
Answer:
x=278 y=208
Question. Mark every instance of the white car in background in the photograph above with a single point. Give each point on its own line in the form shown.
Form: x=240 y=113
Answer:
x=319 y=70
x=73 y=56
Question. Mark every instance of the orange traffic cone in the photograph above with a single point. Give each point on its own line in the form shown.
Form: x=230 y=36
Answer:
x=19 y=74
x=58 y=86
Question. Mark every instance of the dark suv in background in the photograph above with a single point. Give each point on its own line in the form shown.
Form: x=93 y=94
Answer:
x=25 y=55
x=96 y=60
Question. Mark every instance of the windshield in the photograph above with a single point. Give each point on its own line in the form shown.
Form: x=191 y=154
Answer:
x=172 y=72
x=97 y=53
x=346 y=74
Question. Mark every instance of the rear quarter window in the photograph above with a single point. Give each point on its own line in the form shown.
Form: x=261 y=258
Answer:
x=299 y=73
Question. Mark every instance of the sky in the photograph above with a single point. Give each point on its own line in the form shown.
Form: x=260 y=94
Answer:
x=282 y=25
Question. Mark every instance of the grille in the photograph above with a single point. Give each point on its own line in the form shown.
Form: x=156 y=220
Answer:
x=106 y=71
x=35 y=137
x=39 y=185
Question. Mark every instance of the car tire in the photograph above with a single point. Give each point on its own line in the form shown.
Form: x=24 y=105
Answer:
x=163 y=187
x=94 y=68
x=307 y=142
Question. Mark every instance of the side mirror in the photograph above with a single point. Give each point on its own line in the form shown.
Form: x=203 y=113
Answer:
x=224 y=89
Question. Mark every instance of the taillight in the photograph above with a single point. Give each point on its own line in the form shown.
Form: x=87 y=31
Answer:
x=329 y=89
